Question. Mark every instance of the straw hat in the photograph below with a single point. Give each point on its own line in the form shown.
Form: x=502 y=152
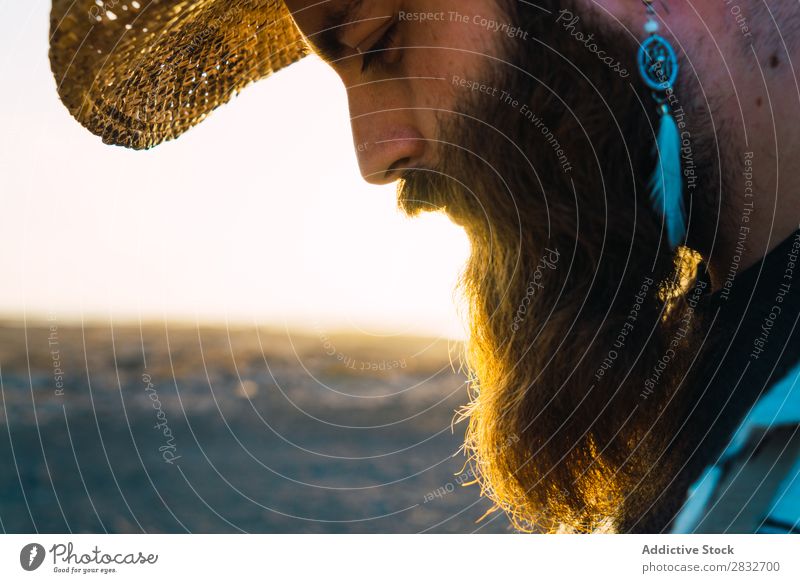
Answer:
x=139 y=72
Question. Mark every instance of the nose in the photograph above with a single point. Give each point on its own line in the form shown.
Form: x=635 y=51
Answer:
x=387 y=143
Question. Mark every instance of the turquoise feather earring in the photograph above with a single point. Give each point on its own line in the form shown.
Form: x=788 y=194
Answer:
x=658 y=66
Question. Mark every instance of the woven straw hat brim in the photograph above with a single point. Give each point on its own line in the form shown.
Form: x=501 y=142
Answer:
x=137 y=73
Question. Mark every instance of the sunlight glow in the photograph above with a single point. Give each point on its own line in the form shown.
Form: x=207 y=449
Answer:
x=258 y=214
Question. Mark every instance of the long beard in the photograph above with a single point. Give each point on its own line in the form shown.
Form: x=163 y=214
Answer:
x=571 y=290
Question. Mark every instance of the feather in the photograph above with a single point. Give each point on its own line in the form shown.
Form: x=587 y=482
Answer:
x=666 y=184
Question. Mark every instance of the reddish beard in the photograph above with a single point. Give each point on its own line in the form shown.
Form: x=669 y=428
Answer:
x=568 y=286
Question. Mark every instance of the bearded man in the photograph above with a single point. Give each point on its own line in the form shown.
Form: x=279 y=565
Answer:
x=633 y=337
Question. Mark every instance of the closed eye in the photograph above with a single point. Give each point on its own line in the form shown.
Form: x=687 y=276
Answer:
x=377 y=54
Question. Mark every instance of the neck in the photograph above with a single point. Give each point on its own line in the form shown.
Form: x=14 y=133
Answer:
x=755 y=98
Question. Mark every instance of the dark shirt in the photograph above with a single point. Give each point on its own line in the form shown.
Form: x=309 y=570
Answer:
x=750 y=404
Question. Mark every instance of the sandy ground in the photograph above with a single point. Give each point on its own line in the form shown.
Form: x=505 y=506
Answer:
x=171 y=428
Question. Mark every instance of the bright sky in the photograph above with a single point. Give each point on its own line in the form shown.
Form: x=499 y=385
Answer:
x=257 y=215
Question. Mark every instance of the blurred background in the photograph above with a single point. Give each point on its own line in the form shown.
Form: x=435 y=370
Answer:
x=231 y=332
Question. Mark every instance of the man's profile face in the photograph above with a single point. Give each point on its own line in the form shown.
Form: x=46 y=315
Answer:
x=398 y=59
x=526 y=123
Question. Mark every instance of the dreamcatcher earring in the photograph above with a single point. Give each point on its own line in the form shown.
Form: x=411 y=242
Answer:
x=658 y=66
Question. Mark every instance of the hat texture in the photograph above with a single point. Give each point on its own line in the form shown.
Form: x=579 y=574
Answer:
x=139 y=72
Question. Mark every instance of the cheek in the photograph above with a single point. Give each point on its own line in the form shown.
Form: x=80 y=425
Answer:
x=468 y=27
x=429 y=88
x=466 y=42
x=458 y=62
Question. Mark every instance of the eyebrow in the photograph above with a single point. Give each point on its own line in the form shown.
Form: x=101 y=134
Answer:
x=326 y=42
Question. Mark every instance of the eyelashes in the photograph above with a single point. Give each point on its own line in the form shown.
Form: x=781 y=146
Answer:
x=377 y=55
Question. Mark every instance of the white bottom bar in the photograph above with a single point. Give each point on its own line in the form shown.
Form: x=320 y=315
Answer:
x=415 y=558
